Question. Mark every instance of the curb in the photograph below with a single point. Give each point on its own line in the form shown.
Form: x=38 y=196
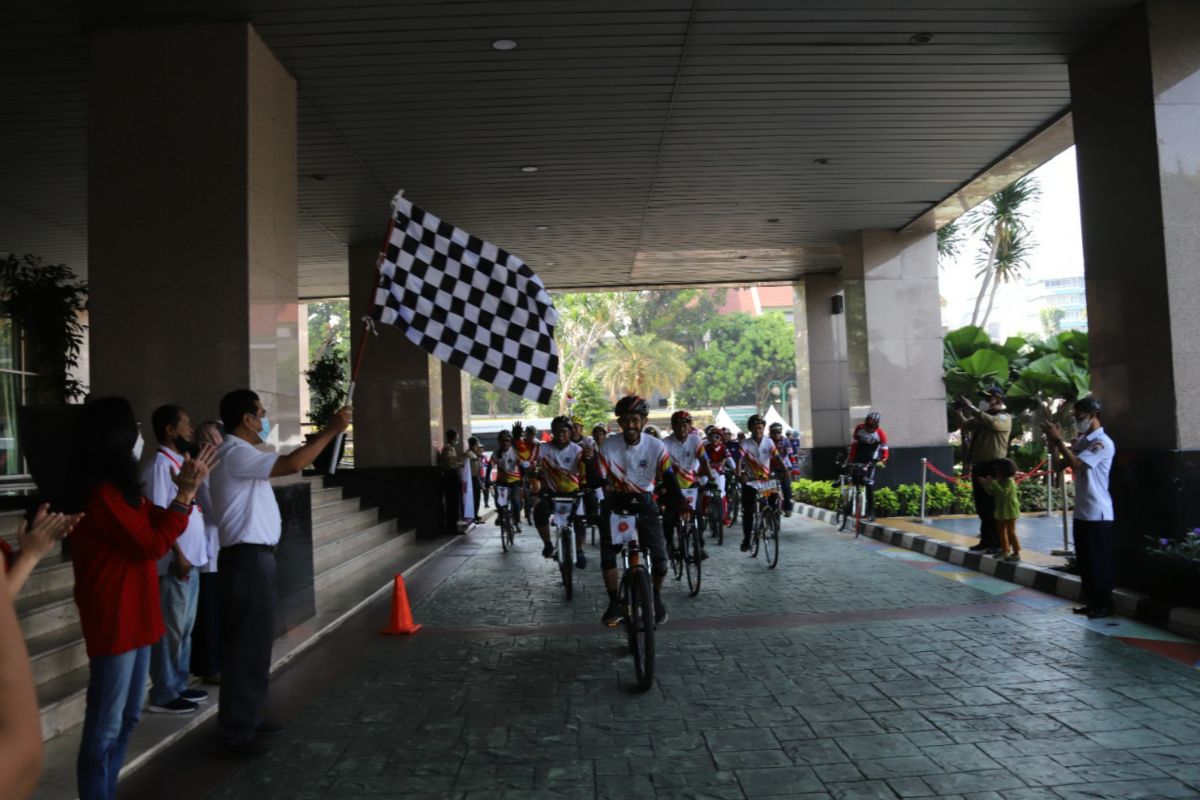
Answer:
x=1181 y=620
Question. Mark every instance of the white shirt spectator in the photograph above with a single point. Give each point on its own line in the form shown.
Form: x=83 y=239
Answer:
x=211 y=529
x=1095 y=450
x=243 y=501
x=161 y=490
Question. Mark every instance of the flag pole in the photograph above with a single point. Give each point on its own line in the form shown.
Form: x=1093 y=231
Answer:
x=368 y=328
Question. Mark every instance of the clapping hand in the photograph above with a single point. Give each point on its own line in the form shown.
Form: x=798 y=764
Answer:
x=1053 y=431
x=195 y=470
x=47 y=530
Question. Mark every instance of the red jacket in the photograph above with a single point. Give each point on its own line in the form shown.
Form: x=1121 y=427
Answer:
x=114 y=549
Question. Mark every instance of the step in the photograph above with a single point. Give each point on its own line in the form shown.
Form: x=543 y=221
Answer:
x=62 y=702
x=47 y=612
x=350 y=544
x=53 y=655
x=320 y=496
x=328 y=511
x=334 y=529
x=51 y=575
x=379 y=552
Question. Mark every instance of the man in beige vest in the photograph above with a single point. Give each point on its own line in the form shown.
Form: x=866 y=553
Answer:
x=987 y=431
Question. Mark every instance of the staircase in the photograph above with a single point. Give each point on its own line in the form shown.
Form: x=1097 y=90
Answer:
x=351 y=545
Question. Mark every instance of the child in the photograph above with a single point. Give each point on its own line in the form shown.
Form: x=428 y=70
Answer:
x=1008 y=508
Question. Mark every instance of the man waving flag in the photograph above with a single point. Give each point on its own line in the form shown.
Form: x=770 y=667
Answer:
x=468 y=303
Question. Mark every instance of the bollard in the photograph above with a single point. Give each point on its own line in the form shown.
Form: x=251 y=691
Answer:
x=1066 y=548
x=1049 y=512
x=924 y=474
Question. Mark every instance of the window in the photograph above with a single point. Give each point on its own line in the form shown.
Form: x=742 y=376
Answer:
x=13 y=380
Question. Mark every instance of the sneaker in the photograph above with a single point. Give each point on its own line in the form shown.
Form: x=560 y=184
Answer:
x=548 y=551
x=978 y=548
x=991 y=551
x=1012 y=558
x=580 y=561
x=251 y=748
x=745 y=545
x=614 y=614
x=787 y=513
x=660 y=610
x=195 y=695
x=703 y=554
x=1000 y=554
x=176 y=706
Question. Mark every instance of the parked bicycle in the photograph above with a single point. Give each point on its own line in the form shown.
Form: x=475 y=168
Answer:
x=764 y=530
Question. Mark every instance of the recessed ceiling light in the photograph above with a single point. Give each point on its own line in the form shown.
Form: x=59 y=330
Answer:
x=821 y=161
x=529 y=169
x=741 y=257
x=317 y=178
x=921 y=38
x=773 y=220
x=541 y=227
x=504 y=44
x=551 y=263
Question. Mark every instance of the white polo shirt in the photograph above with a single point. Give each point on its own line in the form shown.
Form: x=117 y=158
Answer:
x=243 y=501
x=211 y=529
x=1093 y=503
x=161 y=490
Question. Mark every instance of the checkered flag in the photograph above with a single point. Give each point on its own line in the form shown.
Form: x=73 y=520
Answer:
x=468 y=303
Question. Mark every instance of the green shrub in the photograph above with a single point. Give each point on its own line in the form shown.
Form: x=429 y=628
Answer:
x=909 y=497
x=1032 y=494
x=939 y=498
x=886 y=503
x=822 y=494
x=964 y=498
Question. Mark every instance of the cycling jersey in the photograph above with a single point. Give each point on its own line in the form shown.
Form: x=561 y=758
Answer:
x=686 y=457
x=508 y=467
x=562 y=468
x=634 y=469
x=527 y=452
x=757 y=457
x=717 y=455
x=868 y=446
x=785 y=452
x=734 y=448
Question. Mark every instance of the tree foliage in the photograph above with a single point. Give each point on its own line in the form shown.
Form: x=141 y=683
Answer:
x=641 y=363
x=46 y=302
x=1003 y=221
x=744 y=354
x=328 y=327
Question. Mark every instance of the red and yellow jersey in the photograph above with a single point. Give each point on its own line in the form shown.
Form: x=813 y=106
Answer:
x=508 y=467
x=562 y=468
x=634 y=469
x=686 y=457
x=757 y=457
x=527 y=452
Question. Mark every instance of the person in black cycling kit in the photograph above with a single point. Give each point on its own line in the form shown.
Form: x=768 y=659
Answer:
x=868 y=447
x=783 y=470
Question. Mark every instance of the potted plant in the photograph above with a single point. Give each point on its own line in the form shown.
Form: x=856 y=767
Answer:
x=327 y=392
x=46 y=303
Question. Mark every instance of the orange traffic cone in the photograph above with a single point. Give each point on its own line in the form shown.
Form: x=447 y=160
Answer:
x=402 y=621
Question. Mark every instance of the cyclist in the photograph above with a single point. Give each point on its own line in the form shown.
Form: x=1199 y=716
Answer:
x=634 y=463
x=786 y=460
x=508 y=474
x=868 y=447
x=690 y=465
x=760 y=458
x=594 y=471
x=719 y=462
x=526 y=444
x=561 y=465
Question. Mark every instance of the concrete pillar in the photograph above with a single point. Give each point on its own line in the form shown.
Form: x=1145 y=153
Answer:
x=456 y=402
x=894 y=346
x=398 y=401
x=192 y=220
x=821 y=372
x=1135 y=96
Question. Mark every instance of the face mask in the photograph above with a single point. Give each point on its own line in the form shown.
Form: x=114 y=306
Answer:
x=266 y=429
x=137 y=447
x=1082 y=424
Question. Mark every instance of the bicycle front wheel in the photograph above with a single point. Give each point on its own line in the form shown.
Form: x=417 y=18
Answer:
x=771 y=539
x=566 y=564
x=757 y=531
x=715 y=522
x=505 y=534
x=639 y=621
x=692 y=556
x=860 y=502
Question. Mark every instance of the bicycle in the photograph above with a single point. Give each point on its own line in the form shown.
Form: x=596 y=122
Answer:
x=733 y=492
x=712 y=515
x=636 y=592
x=504 y=517
x=565 y=517
x=852 y=499
x=765 y=527
x=688 y=551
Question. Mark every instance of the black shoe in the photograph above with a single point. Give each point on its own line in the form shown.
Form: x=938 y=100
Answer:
x=978 y=548
x=703 y=554
x=1081 y=610
x=1099 y=613
x=269 y=728
x=745 y=545
x=195 y=695
x=251 y=748
x=176 y=706
x=614 y=614
x=660 y=610
x=548 y=551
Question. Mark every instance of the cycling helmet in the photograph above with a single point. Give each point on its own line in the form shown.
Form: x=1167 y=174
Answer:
x=755 y=420
x=576 y=419
x=599 y=427
x=504 y=435
x=681 y=416
x=873 y=418
x=1087 y=405
x=650 y=430
x=530 y=429
x=632 y=404
x=560 y=422
x=776 y=426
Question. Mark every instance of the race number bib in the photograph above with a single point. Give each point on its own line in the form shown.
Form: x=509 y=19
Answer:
x=562 y=511
x=765 y=487
x=623 y=528
x=501 y=496
x=524 y=465
x=691 y=496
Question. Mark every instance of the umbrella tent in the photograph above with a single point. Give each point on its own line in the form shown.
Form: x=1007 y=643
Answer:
x=722 y=420
x=772 y=416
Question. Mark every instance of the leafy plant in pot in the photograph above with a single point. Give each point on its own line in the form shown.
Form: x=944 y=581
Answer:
x=327 y=392
x=46 y=301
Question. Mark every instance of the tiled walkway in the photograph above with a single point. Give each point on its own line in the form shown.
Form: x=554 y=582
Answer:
x=854 y=670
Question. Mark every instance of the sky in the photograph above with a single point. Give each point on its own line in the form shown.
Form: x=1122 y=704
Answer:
x=1057 y=252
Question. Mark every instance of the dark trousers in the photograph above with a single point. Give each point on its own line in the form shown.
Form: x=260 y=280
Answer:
x=1094 y=554
x=206 y=636
x=985 y=507
x=785 y=486
x=476 y=492
x=452 y=494
x=247 y=577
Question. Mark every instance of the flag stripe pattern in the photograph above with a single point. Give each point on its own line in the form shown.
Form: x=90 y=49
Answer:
x=468 y=303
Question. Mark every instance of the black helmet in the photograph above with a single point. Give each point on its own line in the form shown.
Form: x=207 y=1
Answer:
x=632 y=404
x=776 y=426
x=755 y=420
x=530 y=429
x=873 y=418
x=560 y=422
x=681 y=416
x=1087 y=405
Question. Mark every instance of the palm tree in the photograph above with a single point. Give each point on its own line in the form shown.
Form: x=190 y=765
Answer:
x=1010 y=258
x=1003 y=222
x=641 y=364
x=950 y=240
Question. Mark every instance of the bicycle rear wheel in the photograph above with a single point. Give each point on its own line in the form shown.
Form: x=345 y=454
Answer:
x=692 y=557
x=845 y=508
x=566 y=564
x=716 y=523
x=505 y=533
x=673 y=552
x=639 y=624
x=860 y=502
x=756 y=533
x=771 y=538
x=735 y=504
